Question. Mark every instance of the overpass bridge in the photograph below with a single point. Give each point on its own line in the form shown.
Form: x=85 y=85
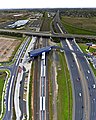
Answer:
x=46 y=34
x=37 y=52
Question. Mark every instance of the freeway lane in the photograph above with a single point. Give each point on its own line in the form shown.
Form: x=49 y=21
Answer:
x=85 y=69
x=10 y=88
x=90 y=78
x=78 y=100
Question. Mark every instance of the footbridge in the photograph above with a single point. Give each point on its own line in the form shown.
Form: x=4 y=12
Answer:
x=37 y=52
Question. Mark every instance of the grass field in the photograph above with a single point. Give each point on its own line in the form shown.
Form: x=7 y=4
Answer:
x=50 y=88
x=2 y=78
x=64 y=99
x=77 y=25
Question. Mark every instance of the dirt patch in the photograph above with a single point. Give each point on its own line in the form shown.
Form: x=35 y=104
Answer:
x=7 y=46
x=93 y=46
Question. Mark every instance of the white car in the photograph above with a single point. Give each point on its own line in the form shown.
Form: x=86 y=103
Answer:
x=80 y=94
x=94 y=86
x=87 y=77
x=88 y=71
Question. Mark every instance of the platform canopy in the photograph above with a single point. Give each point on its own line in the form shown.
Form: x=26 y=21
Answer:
x=39 y=51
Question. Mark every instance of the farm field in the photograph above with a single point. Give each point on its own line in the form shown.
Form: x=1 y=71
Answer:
x=79 y=25
x=7 y=46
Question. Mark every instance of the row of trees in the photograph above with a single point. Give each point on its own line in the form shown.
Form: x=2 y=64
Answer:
x=91 y=12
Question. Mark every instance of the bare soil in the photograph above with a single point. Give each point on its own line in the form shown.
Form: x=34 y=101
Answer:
x=7 y=46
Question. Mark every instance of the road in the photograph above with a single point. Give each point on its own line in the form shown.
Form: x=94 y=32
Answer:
x=87 y=77
x=11 y=83
x=79 y=96
x=77 y=87
x=83 y=80
x=90 y=78
x=47 y=34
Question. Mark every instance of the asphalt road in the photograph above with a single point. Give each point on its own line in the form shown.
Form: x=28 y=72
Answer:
x=46 y=34
x=78 y=99
x=76 y=84
x=90 y=78
x=10 y=88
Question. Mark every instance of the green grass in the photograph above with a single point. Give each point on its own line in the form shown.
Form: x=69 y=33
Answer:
x=75 y=29
x=64 y=99
x=2 y=80
x=30 y=92
x=4 y=88
x=82 y=22
x=84 y=47
x=50 y=89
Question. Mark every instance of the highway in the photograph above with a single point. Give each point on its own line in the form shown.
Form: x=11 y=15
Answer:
x=83 y=79
x=77 y=87
x=47 y=34
x=11 y=83
x=90 y=79
x=73 y=65
x=87 y=78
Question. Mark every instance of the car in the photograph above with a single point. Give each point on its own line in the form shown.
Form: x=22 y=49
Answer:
x=20 y=82
x=94 y=86
x=88 y=71
x=80 y=94
x=82 y=106
x=78 y=79
x=93 y=99
x=87 y=77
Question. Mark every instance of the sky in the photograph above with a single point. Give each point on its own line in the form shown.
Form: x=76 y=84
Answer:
x=47 y=4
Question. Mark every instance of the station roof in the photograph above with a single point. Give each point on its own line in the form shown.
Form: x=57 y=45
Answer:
x=18 y=23
x=39 y=51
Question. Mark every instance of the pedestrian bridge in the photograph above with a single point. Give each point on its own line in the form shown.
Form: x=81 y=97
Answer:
x=37 y=52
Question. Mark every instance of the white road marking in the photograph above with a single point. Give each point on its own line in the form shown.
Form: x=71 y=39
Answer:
x=40 y=103
x=43 y=103
x=9 y=97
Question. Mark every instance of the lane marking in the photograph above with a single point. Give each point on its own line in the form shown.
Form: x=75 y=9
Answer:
x=9 y=96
